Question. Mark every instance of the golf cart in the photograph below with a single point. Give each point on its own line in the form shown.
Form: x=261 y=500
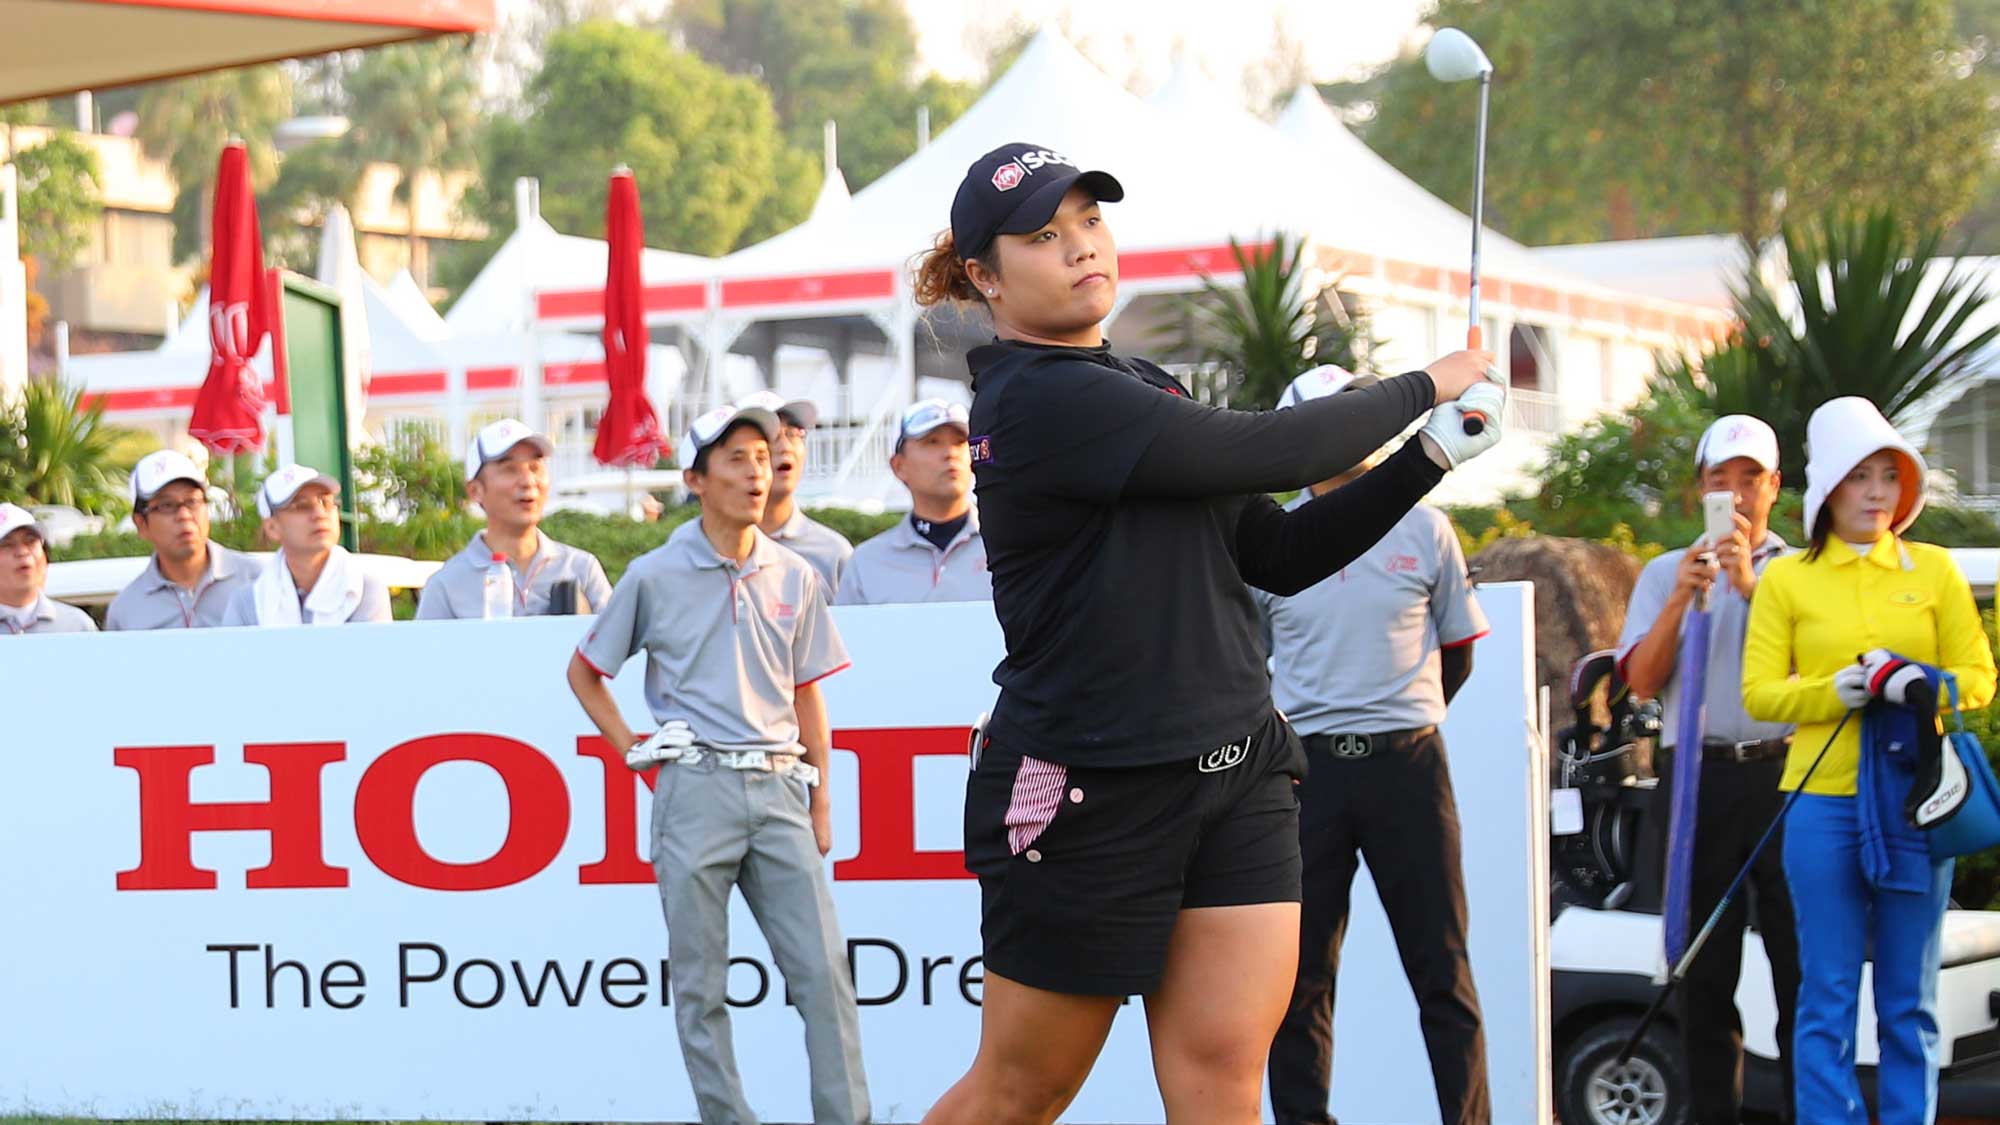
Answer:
x=1605 y=945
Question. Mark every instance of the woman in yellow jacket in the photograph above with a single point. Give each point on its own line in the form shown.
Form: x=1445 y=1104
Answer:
x=1860 y=587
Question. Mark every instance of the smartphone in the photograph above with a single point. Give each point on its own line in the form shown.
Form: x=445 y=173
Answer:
x=1718 y=513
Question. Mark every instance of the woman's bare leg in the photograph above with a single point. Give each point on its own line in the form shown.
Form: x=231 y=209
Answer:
x=1035 y=1049
x=1229 y=976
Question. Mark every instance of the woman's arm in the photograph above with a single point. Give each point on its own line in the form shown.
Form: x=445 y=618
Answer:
x=1770 y=691
x=1286 y=552
x=1204 y=451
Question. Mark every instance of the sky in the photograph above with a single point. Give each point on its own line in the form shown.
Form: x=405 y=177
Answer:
x=1137 y=40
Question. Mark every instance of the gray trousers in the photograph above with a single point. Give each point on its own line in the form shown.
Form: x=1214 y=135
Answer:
x=716 y=828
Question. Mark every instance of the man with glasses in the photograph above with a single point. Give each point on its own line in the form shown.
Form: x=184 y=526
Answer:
x=313 y=580
x=826 y=549
x=24 y=571
x=189 y=580
x=507 y=475
x=937 y=554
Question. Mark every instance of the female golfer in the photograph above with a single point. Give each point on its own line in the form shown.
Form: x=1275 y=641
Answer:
x=1860 y=588
x=1131 y=814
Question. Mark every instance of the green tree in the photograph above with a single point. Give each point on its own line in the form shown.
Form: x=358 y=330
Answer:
x=55 y=450
x=414 y=107
x=187 y=122
x=1865 y=309
x=12 y=117
x=1692 y=116
x=1254 y=338
x=703 y=145
x=852 y=62
x=59 y=200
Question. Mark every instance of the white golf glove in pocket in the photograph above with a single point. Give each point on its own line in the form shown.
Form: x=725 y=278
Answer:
x=665 y=745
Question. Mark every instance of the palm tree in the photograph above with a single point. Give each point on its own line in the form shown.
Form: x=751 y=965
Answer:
x=416 y=107
x=186 y=123
x=1254 y=338
x=55 y=450
x=1864 y=310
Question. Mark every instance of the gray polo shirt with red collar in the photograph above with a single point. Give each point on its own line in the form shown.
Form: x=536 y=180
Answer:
x=458 y=589
x=153 y=601
x=727 y=645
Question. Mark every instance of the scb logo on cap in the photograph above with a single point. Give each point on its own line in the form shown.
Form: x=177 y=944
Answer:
x=1009 y=175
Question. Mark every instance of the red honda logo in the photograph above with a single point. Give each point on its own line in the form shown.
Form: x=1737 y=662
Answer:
x=1009 y=176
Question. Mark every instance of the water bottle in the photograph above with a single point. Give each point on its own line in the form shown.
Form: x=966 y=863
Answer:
x=499 y=588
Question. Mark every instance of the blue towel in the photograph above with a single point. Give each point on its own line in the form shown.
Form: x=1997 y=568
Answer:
x=1895 y=856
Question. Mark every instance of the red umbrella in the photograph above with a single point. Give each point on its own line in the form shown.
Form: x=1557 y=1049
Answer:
x=629 y=432
x=229 y=409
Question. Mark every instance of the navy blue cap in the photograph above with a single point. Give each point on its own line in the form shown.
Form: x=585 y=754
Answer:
x=1016 y=189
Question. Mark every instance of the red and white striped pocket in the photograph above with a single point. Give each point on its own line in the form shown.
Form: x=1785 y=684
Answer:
x=1038 y=790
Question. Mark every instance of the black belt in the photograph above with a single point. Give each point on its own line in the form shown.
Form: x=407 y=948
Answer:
x=1719 y=750
x=1353 y=746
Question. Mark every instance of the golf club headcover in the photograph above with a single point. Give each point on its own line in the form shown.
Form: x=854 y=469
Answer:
x=1851 y=685
x=1940 y=786
x=1446 y=427
x=668 y=743
x=1890 y=676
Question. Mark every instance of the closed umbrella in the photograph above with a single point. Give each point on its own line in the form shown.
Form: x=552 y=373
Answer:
x=229 y=408
x=628 y=434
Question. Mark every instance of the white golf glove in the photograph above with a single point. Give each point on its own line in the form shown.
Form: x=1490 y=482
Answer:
x=1851 y=685
x=666 y=744
x=1890 y=675
x=1446 y=427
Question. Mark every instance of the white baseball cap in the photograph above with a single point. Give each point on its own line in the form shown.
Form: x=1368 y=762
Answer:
x=1738 y=435
x=497 y=439
x=928 y=414
x=802 y=410
x=1326 y=379
x=282 y=485
x=709 y=428
x=158 y=470
x=13 y=518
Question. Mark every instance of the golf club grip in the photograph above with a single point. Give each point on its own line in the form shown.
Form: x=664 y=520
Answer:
x=1474 y=422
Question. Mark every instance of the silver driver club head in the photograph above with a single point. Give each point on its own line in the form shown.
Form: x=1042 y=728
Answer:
x=1452 y=56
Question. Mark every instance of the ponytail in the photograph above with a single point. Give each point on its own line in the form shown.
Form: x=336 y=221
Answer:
x=941 y=277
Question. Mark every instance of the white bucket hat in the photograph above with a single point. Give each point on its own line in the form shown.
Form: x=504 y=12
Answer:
x=1841 y=434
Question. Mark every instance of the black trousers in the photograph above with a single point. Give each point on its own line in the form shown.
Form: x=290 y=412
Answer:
x=1738 y=799
x=1394 y=809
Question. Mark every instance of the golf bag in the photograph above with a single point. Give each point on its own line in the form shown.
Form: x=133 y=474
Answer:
x=1596 y=867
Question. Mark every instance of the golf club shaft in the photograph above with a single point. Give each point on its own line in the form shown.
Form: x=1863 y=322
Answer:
x=1474 y=421
x=1715 y=916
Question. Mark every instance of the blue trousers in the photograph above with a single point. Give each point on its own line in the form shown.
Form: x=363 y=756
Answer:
x=1839 y=917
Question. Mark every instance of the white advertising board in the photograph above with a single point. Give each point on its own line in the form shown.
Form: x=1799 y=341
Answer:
x=387 y=872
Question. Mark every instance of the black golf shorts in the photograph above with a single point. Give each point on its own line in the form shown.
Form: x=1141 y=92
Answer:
x=1082 y=871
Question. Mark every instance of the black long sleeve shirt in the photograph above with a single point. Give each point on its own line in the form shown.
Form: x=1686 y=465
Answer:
x=1122 y=520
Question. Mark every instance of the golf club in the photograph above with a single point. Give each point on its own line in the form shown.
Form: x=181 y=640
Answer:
x=1452 y=56
x=1715 y=916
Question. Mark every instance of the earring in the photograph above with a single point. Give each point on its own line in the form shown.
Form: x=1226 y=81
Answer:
x=990 y=292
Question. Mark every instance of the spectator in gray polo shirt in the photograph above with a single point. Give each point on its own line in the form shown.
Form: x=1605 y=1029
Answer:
x=1742 y=761
x=936 y=555
x=737 y=635
x=507 y=475
x=189 y=580
x=826 y=549
x=24 y=571
x=1363 y=664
